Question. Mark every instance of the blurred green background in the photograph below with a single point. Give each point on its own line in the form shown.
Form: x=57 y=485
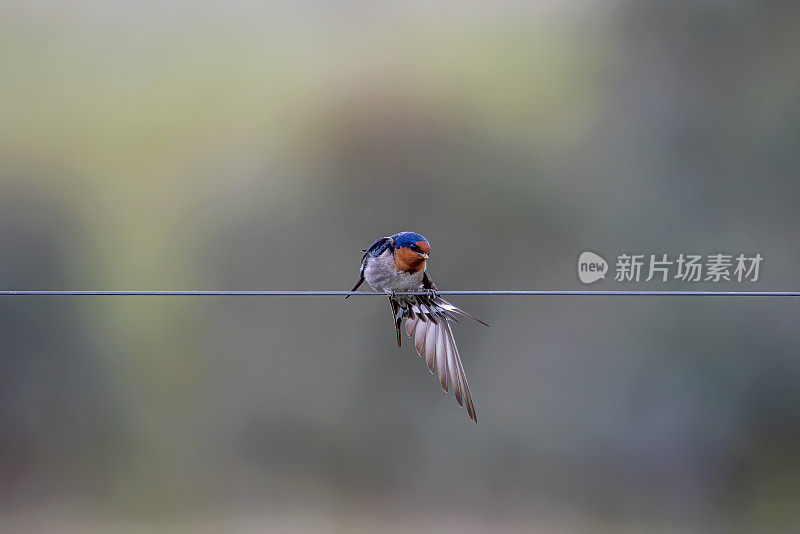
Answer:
x=189 y=145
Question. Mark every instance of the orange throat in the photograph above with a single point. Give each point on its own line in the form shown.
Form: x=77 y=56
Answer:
x=407 y=260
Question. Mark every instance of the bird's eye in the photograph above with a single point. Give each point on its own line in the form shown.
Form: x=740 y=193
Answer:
x=414 y=247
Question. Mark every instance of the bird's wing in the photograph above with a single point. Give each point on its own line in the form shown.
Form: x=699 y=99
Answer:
x=428 y=322
x=358 y=282
x=427 y=281
x=376 y=249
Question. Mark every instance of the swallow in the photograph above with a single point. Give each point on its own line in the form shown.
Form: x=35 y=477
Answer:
x=397 y=264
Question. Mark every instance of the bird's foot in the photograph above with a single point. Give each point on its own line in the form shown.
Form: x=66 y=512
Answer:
x=431 y=293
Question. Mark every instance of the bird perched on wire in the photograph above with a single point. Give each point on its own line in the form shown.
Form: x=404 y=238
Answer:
x=396 y=264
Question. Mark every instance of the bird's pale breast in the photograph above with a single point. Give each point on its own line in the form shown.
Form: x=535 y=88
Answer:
x=380 y=273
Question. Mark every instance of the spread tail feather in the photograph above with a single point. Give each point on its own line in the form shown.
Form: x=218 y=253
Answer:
x=428 y=323
x=397 y=314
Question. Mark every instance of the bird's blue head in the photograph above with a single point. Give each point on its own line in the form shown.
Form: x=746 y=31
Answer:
x=410 y=251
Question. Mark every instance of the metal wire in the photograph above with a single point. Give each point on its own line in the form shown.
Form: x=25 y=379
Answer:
x=289 y=293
